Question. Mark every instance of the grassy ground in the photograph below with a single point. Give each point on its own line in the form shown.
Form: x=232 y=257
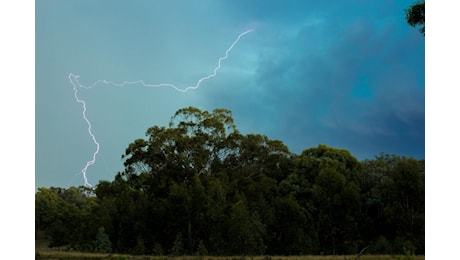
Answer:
x=43 y=252
x=52 y=254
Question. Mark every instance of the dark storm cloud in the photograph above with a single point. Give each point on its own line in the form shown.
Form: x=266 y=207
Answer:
x=348 y=75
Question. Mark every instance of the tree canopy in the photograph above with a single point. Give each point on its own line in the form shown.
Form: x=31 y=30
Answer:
x=201 y=187
x=415 y=15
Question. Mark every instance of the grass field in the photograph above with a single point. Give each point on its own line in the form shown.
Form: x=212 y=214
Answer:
x=43 y=252
x=52 y=254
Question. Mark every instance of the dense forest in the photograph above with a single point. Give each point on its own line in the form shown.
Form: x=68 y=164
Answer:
x=201 y=187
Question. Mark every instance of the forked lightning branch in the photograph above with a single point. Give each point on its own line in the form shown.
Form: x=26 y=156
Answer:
x=76 y=86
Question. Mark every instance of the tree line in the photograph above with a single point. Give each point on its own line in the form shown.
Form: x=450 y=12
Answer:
x=201 y=187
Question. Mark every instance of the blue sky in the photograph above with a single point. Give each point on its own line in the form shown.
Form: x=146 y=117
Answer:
x=349 y=74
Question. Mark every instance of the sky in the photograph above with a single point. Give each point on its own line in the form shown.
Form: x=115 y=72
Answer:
x=348 y=74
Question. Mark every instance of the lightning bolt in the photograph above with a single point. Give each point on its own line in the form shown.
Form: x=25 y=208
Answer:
x=73 y=78
x=76 y=84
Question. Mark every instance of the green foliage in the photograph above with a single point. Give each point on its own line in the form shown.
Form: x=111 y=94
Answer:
x=60 y=212
x=102 y=243
x=157 y=249
x=201 y=187
x=381 y=246
x=139 y=248
x=246 y=231
x=178 y=246
x=415 y=15
x=201 y=250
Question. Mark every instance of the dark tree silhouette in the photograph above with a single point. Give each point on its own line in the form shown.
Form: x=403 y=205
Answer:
x=201 y=187
x=415 y=15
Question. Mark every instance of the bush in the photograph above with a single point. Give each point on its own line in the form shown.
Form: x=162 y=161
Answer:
x=178 y=246
x=382 y=246
x=102 y=243
x=202 y=251
x=157 y=249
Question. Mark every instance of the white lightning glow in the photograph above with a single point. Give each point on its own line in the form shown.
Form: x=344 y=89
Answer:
x=76 y=84
x=83 y=103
